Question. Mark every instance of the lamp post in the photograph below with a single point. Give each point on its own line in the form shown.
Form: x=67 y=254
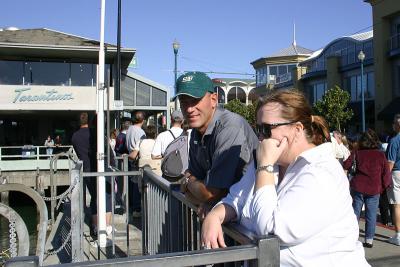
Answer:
x=361 y=57
x=176 y=45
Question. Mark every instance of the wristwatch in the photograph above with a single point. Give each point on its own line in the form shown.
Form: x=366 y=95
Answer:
x=268 y=168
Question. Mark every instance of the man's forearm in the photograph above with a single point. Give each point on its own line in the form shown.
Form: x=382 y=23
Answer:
x=203 y=193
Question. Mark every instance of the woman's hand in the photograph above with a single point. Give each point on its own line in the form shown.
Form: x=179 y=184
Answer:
x=211 y=232
x=269 y=150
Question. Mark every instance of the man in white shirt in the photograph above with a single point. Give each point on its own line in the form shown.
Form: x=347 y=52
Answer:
x=166 y=137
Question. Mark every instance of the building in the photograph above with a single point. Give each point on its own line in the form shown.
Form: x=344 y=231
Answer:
x=48 y=77
x=386 y=45
x=337 y=64
x=228 y=89
x=280 y=70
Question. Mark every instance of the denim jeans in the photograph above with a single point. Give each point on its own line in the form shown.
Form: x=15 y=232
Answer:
x=371 y=208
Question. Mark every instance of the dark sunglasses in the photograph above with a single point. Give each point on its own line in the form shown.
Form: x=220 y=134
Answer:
x=265 y=128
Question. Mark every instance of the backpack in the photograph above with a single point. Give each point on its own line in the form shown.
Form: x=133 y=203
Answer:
x=176 y=158
x=120 y=144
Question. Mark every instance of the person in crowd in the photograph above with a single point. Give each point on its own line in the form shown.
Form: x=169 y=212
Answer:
x=371 y=178
x=393 y=156
x=221 y=142
x=113 y=138
x=57 y=145
x=340 y=151
x=310 y=209
x=134 y=135
x=385 y=211
x=49 y=144
x=145 y=151
x=120 y=150
x=166 y=137
x=84 y=143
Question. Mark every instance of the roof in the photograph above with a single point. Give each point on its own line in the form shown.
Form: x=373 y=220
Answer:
x=293 y=50
x=45 y=36
x=229 y=80
x=23 y=44
x=359 y=37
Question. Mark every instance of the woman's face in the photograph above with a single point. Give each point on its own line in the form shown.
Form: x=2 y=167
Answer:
x=271 y=114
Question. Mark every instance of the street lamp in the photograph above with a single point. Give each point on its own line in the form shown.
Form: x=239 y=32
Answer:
x=176 y=45
x=361 y=57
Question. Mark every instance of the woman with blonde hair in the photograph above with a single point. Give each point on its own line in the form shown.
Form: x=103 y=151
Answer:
x=310 y=209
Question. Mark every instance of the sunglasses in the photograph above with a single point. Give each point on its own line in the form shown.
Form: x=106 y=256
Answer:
x=265 y=128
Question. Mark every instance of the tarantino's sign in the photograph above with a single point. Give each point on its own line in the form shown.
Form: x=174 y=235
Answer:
x=23 y=95
x=48 y=97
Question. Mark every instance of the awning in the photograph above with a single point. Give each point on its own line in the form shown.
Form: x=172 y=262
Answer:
x=390 y=110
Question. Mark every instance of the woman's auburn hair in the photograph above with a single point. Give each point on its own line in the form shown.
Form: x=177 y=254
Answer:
x=295 y=108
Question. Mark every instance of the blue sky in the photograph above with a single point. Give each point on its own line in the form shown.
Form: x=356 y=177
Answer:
x=215 y=35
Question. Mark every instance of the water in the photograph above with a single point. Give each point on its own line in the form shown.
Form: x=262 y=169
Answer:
x=29 y=215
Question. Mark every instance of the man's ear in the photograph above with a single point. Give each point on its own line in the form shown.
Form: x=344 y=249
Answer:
x=214 y=99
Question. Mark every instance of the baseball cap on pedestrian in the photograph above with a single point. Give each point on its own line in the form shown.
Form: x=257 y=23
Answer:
x=177 y=115
x=195 y=84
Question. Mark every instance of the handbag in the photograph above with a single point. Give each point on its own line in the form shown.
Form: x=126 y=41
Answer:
x=353 y=168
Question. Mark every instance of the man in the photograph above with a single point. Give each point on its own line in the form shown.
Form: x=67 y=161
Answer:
x=393 y=193
x=134 y=135
x=221 y=142
x=166 y=137
x=84 y=143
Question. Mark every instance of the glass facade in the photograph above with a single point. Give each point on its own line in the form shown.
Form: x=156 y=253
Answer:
x=346 y=49
x=273 y=73
x=51 y=73
x=316 y=91
x=138 y=93
x=352 y=84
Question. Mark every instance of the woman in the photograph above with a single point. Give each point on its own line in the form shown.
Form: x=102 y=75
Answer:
x=49 y=144
x=371 y=178
x=145 y=148
x=310 y=210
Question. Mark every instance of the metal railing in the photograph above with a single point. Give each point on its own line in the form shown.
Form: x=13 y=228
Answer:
x=24 y=158
x=170 y=231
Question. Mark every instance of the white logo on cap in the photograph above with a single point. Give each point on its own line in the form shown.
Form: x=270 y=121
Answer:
x=187 y=79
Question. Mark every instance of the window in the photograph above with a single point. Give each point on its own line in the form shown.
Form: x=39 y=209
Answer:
x=253 y=97
x=142 y=94
x=11 y=72
x=82 y=74
x=159 y=97
x=46 y=73
x=237 y=93
x=127 y=90
x=282 y=70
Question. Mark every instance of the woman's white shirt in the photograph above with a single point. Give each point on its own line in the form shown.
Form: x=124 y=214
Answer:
x=310 y=211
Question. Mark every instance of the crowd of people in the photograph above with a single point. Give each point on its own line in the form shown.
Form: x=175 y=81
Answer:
x=290 y=176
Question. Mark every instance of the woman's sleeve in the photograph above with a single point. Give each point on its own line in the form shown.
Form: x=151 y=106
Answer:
x=305 y=209
x=240 y=191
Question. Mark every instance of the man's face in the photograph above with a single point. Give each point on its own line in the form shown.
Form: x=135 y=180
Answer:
x=198 y=111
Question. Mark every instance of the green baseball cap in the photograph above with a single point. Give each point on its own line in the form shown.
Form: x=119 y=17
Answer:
x=194 y=84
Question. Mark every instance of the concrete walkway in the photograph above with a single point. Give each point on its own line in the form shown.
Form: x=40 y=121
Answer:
x=383 y=254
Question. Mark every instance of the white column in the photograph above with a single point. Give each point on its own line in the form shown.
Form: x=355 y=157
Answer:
x=101 y=189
